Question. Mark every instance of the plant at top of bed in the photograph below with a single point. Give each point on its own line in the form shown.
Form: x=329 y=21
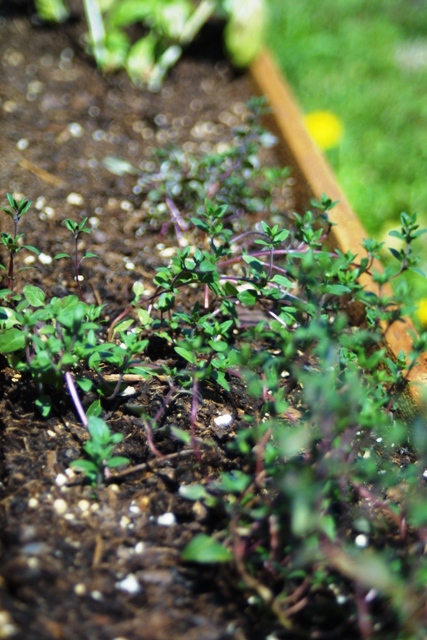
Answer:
x=170 y=26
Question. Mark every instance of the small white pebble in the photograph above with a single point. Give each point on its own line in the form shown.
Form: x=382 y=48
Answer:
x=84 y=505
x=10 y=106
x=60 y=506
x=33 y=563
x=49 y=212
x=226 y=420
x=124 y=522
x=140 y=547
x=30 y=259
x=22 y=144
x=80 y=589
x=425 y=473
x=69 y=516
x=45 y=259
x=7 y=626
x=379 y=440
x=129 y=584
x=125 y=205
x=75 y=129
x=168 y=252
x=130 y=266
x=33 y=503
x=129 y=391
x=167 y=519
x=75 y=199
x=70 y=473
x=134 y=509
x=51 y=433
x=97 y=595
x=361 y=541
x=40 y=203
x=94 y=221
x=61 y=479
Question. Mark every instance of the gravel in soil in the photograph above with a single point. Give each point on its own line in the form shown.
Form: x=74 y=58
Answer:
x=78 y=562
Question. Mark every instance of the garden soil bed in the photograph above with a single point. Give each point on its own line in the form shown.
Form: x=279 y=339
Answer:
x=66 y=549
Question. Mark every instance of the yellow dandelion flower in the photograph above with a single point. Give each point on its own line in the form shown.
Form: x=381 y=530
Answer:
x=421 y=313
x=325 y=128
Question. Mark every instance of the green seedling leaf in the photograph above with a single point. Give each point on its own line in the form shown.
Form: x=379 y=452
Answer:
x=205 y=550
x=186 y=354
x=117 y=461
x=84 y=383
x=142 y=59
x=180 y=434
x=44 y=405
x=128 y=12
x=283 y=281
x=12 y=340
x=35 y=296
x=248 y=297
x=94 y=409
x=98 y=429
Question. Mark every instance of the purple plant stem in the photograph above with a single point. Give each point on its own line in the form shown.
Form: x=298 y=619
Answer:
x=75 y=398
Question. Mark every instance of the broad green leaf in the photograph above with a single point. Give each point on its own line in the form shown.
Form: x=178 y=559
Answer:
x=12 y=340
x=187 y=355
x=98 y=429
x=248 y=297
x=283 y=281
x=117 y=461
x=34 y=295
x=206 y=550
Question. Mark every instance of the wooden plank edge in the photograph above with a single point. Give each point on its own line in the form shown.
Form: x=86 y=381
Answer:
x=348 y=233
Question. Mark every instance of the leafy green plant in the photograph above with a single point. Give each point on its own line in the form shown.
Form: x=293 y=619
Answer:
x=99 y=449
x=305 y=505
x=170 y=26
x=13 y=243
x=76 y=228
x=48 y=340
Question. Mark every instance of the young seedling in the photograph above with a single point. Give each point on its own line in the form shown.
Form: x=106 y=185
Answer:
x=76 y=228
x=99 y=450
x=13 y=243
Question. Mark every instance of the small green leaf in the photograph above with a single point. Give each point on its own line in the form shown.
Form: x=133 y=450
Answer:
x=44 y=405
x=94 y=409
x=180 y=434
x=193 y=491
x=12 y=340
x=34 y=295
x=248 y=297
x=187 y=355
x=206 y=550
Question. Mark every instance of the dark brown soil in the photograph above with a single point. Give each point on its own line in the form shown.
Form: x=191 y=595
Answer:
x=66 y=551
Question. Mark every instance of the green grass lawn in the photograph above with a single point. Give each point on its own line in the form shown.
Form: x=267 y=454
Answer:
x=365 y=61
